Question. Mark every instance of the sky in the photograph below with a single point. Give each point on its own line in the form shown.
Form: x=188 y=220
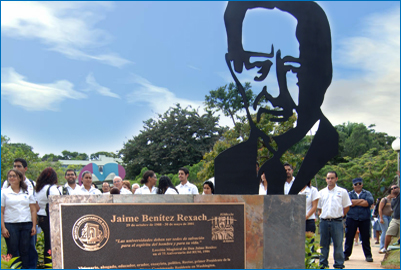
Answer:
x=83 y=76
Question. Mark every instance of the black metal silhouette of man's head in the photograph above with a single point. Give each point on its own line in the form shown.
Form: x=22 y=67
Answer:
x=313 y=69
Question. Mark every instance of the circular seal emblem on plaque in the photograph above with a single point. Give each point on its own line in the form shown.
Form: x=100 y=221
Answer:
x=90 y=232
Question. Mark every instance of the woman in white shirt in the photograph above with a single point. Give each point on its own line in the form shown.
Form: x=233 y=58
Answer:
x=165 y=186
x=312 y=199
x=263 y=185
x=18 y=217
x=46 y=185
x=149 y=181
x=87 y=188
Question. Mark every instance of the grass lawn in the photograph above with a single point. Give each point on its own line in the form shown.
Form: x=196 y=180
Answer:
x=391 y=260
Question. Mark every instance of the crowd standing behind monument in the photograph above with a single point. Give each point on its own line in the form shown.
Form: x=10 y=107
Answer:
x=333 y=203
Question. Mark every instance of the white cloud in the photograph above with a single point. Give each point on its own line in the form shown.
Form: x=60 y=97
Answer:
x=94 y=86
x=374 y=96
x=193 y=67
x=35 y=97
x=65 y=27
x=160 y=99
x=377 y=50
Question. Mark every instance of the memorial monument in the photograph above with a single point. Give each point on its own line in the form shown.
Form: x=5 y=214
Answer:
x=177 y=231
x=235 y=228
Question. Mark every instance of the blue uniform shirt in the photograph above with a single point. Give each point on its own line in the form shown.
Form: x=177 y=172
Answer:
x=359 y=212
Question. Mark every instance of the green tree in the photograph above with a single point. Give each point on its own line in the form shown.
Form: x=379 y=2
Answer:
x=7 y=157
x=21 y=146
x=36 y=167
x=138 y=178
x=302 y=147
x=96 y=155
x=74 y=155
x=240 y=133
x=11 y=151
x=51 y=157
x=355 y=139
x=178 y=137
x=228 y=99
x=193 y=178
x=377 y=168
x=76 y=168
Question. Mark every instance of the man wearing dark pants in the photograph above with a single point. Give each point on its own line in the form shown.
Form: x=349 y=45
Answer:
x=358 y=216
x=334 y=203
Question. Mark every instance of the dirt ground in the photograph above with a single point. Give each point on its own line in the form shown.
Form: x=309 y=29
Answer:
x=357 y=258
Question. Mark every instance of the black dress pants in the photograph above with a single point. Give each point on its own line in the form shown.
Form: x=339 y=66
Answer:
x=44 y=223
x=364 y=227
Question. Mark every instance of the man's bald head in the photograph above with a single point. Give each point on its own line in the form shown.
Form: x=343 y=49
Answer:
x=118 y=182
x=134 y=188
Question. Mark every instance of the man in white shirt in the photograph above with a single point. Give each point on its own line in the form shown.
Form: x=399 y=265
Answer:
x=334 y=204
x=106 y=188
x=185 y=187
x=118 y=183
x=290 y=179
x=135 y=186
x=71 y=185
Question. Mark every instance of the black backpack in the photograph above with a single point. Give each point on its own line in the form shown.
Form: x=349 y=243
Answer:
x=65 y=191
x=376 y=211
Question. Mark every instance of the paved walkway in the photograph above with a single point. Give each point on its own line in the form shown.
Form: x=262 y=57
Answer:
x=357 y=258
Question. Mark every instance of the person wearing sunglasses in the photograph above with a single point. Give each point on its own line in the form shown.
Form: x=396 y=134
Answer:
x=358 y=217
x=394 y=227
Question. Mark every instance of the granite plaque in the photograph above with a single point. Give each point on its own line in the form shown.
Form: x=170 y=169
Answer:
x=165 y=236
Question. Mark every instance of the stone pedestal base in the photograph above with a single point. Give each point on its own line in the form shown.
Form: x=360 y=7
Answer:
x=275 y=224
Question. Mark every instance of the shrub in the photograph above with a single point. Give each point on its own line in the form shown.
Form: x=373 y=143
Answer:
x=311 y=253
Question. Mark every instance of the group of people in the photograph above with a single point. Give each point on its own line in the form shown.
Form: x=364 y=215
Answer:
x=25 y=211
x=165 y=186
x=335 y=204
x=25 y=203
x=25 y=208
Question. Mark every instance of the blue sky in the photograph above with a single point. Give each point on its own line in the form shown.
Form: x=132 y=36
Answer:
x=83 y=76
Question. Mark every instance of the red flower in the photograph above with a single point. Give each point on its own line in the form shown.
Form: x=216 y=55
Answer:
x=49 y=252
x=6 y=258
